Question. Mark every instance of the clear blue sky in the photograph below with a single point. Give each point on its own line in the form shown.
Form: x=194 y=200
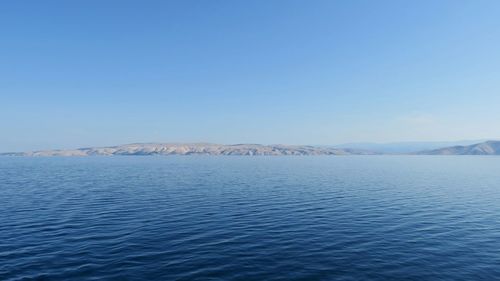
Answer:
x=96 y=72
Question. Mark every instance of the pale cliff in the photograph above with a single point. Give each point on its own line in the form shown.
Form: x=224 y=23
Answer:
x=195 y=149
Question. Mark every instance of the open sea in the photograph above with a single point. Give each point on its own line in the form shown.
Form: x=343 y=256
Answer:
x=250 y=218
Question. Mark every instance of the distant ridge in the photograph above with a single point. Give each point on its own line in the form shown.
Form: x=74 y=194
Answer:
x=194 y=149
x=484 y=148
x=407 y=147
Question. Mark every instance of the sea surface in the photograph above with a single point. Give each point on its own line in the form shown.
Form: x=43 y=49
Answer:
x=250 y=218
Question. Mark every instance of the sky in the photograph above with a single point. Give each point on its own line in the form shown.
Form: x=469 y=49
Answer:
x=96 y=73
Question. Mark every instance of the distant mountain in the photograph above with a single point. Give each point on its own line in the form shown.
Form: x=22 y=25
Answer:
x=195 y=149
x=404 y=147
x=484 y=148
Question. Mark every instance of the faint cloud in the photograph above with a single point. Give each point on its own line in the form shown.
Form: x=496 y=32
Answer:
x=418 y=120
x=421 y=126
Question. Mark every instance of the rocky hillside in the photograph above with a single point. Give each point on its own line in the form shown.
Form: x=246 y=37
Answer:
x=194 y=149
x=485 y=148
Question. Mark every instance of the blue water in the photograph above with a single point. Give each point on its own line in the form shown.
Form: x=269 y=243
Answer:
x=250 y=218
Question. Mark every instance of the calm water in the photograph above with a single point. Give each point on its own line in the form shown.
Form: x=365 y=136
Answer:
x=250 y=218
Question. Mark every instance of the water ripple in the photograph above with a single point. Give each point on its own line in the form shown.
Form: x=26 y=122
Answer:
x=250 y=218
